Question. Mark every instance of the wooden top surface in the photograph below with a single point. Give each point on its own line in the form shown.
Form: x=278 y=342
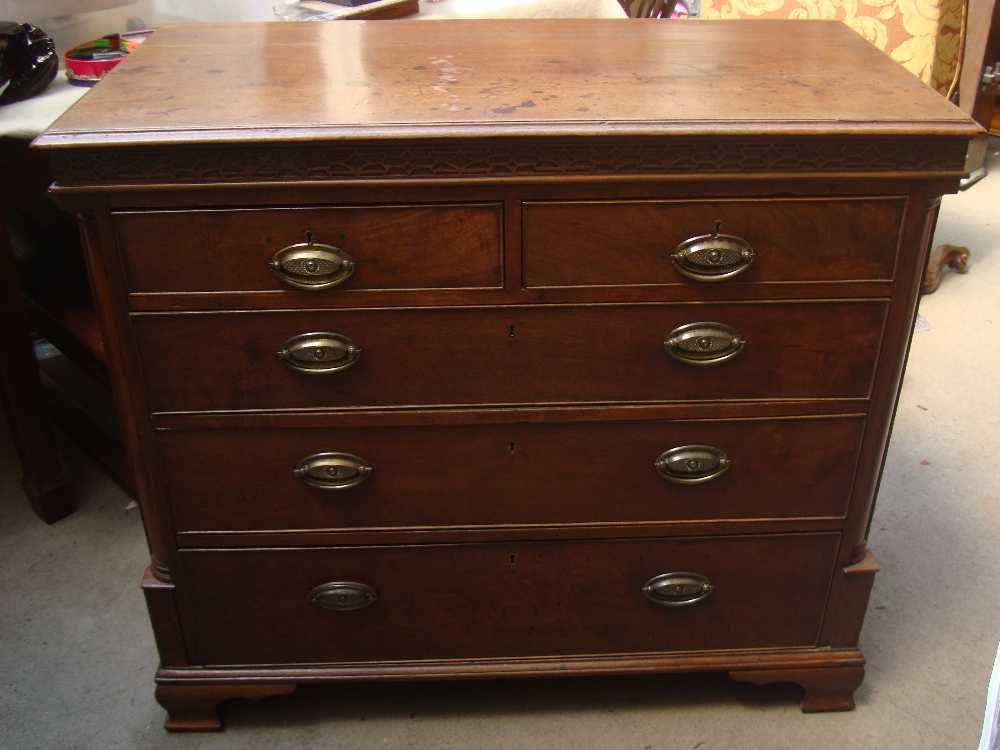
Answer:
x=406 y=79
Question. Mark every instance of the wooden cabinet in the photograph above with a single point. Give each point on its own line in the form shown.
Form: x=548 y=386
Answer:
x=492 y=352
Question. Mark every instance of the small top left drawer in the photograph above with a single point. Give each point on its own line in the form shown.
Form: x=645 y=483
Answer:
x=322 y=250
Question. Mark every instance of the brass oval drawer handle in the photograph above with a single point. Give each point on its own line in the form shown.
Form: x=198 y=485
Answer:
x=319 y=353
x=343 y=596
x=703 y=343
x=692 y=464
x=678 y=589
x=332 y=471
x=312 y=265
x=713 y=257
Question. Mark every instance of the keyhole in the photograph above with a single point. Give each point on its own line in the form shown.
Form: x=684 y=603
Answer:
x=309 y=236
x=513 y=560
x=510 y=446
x=510 y=330
x=718 y=227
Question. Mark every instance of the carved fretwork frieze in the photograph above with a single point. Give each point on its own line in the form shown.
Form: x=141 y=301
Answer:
x=380 y=161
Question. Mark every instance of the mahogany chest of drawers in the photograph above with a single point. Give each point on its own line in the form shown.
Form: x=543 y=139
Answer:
x=491 y=349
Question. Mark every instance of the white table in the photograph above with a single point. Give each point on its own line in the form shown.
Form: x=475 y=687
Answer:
x=28 y=118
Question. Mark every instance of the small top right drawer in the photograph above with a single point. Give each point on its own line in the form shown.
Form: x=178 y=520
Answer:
x=642 y=243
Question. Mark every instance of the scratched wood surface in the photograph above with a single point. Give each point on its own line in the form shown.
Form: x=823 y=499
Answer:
x=516 y=77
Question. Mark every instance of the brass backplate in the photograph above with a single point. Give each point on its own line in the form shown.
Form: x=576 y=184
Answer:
x=703 y=343
x=332 y=471
x=713 y=257
x=343 y=596
x=319 y=353
x=692 y=464
x=312 y=266
x=678 y=589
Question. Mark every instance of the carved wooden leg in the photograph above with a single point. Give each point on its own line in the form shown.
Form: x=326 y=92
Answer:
x=827 y=688
x=194 y=708
x=944 y=256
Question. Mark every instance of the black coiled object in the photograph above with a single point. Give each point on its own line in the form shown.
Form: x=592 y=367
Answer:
x=28 y=61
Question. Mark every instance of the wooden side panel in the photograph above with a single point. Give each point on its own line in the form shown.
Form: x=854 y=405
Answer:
x=858 y=581
x=162 y=606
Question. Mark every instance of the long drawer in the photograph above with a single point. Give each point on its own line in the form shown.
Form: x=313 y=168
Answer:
x=392 y=247
x=506 y=355
x=504 y=600
x=480 y=475
x=631 y=242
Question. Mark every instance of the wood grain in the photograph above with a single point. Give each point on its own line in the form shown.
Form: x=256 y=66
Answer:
x=465 y=601
x=415 y=247
x=571 y=354
x=503 y=77
x=513 y=388
x=495 y=475
x=630 y=243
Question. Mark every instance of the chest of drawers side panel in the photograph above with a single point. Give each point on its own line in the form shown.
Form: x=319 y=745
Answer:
x=917 y=233
x=107 y=281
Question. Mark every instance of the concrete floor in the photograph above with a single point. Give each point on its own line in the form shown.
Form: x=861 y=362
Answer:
x=77 y=655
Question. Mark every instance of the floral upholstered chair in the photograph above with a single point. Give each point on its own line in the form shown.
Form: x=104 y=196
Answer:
x=924 y=36
x=927 y=37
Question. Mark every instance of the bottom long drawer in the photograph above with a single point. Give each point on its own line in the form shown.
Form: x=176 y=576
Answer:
x=467 y=601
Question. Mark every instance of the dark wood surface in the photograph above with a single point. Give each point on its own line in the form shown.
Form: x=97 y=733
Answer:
x=579 y=354
x=417 y=247
x=54 y=279
x=506 y=600
x=506 y=78
x=84 y=408
x=826 y=689
x=193 y=708
x=630 y=243
x=512 y=202
x=44 y=481
x=471 y=475
x=47 y=296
